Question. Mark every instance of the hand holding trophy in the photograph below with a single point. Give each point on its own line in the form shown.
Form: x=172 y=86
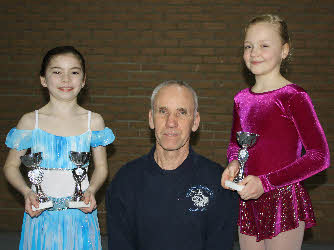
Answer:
x=245 y=140
x=79 y=174
x=35 y=175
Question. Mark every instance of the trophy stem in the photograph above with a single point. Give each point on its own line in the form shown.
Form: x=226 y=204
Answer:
x=240 y=175
x=79 y=173
x=38 y=189
x=245 y=140
x=78 y=194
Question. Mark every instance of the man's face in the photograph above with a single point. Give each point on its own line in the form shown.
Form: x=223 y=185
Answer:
x=173 y=118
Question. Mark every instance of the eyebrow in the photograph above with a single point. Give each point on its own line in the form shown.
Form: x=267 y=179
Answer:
x=183 y=109
x=259 y=41
x=56 y=67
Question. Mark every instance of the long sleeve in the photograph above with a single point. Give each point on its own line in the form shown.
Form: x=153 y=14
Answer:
x=120 y=219
x=316 y=157
x=222 y=221
x=233 y=147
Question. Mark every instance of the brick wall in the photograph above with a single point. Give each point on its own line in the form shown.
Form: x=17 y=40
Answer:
x=131 y=46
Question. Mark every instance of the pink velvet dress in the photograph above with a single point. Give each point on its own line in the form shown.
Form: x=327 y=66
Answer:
x=286 y=121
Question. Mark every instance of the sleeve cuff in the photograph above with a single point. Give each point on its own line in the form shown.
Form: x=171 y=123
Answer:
x=266 y=184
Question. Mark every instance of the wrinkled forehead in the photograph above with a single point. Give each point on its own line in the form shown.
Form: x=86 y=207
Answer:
x=174 y=96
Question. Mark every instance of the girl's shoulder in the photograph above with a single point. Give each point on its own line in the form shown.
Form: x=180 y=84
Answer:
x=296 y=88
x=242 y=93
x=27 y=121
x=97 y=122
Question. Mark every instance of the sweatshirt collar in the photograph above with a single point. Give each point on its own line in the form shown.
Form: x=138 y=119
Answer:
x=187 y=164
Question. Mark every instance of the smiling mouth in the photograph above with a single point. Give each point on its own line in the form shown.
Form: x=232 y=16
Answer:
x=65 y=89
x=171 y=134
x=255 y=62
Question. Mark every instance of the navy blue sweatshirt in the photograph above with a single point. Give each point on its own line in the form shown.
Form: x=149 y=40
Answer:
x=183 y=209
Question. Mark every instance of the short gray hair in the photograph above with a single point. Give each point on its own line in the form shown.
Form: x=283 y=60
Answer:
x=174 y=82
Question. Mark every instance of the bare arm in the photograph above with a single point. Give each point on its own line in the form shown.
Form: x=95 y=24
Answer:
x=12 y=170
x=100 y=172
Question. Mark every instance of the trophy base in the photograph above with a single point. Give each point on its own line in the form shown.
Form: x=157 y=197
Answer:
x=76 y=204
x=234 y=185
x=43 y=205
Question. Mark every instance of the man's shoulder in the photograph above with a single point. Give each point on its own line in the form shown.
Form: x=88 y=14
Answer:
x=134 y=166
x=128 y=176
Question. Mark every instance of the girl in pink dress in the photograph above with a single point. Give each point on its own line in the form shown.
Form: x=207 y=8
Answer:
x=275 y=208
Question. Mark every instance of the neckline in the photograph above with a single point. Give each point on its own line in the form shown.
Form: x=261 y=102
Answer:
x=183 y=167
x=61 y=135
x=270 y=91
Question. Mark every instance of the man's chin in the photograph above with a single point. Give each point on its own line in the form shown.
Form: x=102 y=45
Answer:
x=172 y=148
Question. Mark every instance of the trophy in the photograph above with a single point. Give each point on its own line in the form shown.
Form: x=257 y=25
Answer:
x=79 y=174
x=35 y=175
x=245 y=140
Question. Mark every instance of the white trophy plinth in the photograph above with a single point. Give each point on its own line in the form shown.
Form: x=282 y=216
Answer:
x=234 y=185
x=43 y=205
x=76 y=204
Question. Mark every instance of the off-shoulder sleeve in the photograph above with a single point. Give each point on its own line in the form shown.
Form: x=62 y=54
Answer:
x=19 y=139
x=316 y=157
x=233 y=147
x=102 y=137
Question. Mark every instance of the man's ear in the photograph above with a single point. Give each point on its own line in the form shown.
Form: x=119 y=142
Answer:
x=150 y=119
x=197 y=119
x=43 y=81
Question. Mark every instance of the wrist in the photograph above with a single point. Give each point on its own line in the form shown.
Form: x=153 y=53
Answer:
x=26 y=192
x=265 y=183
x=91 y=190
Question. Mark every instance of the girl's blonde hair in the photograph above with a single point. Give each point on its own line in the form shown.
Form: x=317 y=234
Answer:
x=282 y=30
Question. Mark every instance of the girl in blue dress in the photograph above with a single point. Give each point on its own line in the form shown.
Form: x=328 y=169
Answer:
x=58 y=128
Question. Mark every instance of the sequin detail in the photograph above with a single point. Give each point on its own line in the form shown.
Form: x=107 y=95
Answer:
x=286 y=121
x=59 y=227
x=59 y=203
x=291 y=205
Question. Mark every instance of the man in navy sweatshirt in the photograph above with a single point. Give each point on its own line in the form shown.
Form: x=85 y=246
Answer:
x=171 y=198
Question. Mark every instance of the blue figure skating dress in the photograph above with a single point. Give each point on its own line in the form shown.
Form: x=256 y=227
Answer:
x=59 y=228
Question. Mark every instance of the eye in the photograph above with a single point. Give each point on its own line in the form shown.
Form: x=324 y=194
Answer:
x=247 y=47
x=56 y=72
x=75 y=72
x=183 y=112
x=162 y=111
x=265 y=45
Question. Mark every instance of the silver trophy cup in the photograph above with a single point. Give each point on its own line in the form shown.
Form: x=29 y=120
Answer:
x=35 y=175
x=245 y=140
x=79 y=174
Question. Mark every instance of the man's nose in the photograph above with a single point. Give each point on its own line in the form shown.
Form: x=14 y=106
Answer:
x=171 y=121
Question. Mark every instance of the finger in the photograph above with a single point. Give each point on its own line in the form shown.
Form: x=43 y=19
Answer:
x=28 y=208
x=245 y=181
x=232 y=172
x=83 y=209
x=223 y=180
x=34 y=201
x=38 y=212
x=243 y=192
x=93 y=205
x=86 y=210
x=87 y=199
x=244 y=196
